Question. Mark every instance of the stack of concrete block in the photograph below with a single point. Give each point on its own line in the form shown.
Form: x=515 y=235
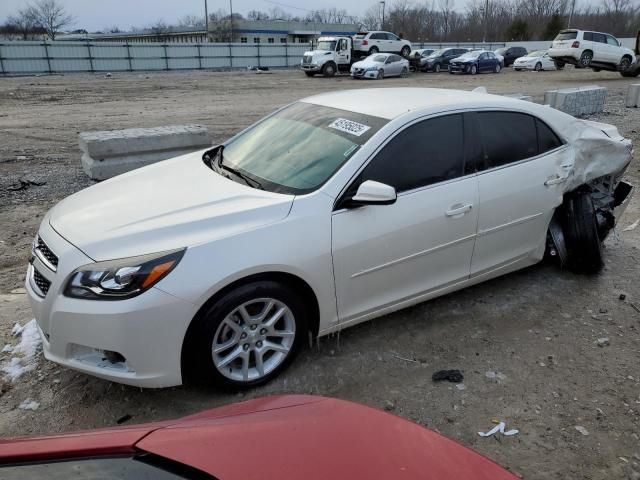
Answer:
x=633 y=95
x=577 y=101
x=110 y=153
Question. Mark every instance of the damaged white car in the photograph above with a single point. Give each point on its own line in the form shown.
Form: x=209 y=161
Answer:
x=336 y=209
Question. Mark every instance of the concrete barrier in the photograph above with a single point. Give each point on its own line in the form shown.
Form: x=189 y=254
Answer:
x=110 y=153
x=633 y=95
x=577 y=101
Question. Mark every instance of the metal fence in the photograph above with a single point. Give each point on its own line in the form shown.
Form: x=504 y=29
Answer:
x=24 y=57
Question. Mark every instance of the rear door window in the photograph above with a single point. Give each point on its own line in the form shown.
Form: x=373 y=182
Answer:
x=588 y=36
x=568 y=35
x=425 y=153
x=547 y=139
x=507 y=137
x=599 y=37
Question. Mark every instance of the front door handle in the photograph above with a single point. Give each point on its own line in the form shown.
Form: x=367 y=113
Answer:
x=556 y=181
x=458 y=210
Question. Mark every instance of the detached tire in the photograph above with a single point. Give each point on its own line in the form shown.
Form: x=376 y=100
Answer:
x=581 y=232
x=246 y=337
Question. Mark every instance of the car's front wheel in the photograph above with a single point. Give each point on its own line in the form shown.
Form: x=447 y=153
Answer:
x=404 y=73
x=497 y=68
x=380 y=74
x=473 y=70
x=246 y=337
x=437 y=68
x=538 y=67
x=581 y=233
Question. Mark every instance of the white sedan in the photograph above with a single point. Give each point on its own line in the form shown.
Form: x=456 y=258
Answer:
x=381 y=65
x=538 y=60
x=339 y=208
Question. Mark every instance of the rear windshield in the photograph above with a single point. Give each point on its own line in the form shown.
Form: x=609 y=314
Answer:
x=567 y=35
x=501 y=51
x=361 y=34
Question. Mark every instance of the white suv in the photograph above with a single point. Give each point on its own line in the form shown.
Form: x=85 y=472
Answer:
x=368 y=43
x=585 y=49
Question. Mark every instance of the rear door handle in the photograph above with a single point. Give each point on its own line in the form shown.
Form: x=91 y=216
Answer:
x=458 y=210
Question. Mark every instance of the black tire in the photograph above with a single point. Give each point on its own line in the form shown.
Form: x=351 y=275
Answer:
x=625 y=63
x=497 y=68
x=309 y=74
x=559 y=65
x=329 y=69
x=437 y=67
x=473 y=70
x=373 y=50
x=405 y=52
x=380 y=75
x=581 y=233
x=631 y=73
x=585 y=58
x=197 y=359
x=404 y=73
x=538 y=67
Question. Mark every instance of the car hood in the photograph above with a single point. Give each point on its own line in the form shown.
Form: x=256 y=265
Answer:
x=172 y=204
x=317 y=53
x=463 y=60
x=367 y=63
x=527 y=59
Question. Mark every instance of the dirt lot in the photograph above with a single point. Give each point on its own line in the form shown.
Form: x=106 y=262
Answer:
x=536 y=330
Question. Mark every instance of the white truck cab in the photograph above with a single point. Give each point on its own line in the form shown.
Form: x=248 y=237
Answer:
x=332 y=54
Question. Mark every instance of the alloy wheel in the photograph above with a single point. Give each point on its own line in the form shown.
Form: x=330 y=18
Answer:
x=254 y=339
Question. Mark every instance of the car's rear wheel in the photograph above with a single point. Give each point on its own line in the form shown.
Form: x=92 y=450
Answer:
x=473 y=70
x=405 y=51
x=581 y=234
x=246 y=337
x=404 y=73
x=585 y=58
x=538 y=67
x=373 y=50
x=437 y=67
x=380 y=74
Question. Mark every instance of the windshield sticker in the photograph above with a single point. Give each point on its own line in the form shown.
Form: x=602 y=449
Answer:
x=348 y=126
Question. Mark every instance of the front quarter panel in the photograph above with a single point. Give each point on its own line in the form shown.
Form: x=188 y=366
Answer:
x=299 y=245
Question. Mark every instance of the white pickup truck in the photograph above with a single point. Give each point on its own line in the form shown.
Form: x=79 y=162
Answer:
x=331 y=55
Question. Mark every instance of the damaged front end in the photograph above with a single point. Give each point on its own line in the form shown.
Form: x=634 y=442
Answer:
x=595 y=195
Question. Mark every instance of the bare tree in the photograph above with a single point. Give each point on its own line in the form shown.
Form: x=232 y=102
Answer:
x=25 y=23
x=191 y=21
x=446 y=12
x=372 y=18
x=52 y=16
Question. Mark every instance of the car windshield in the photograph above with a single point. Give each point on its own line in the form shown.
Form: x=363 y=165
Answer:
x=327 y=45
x=300 y=147
x=538 y=53
x=379 y=58
x=438 y=53
x=567 y=35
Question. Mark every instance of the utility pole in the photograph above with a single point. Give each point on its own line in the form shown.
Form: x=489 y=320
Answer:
x=382 y=26
x=231 y=18
x=486 y=15
x=573 y=6
x=206 y=22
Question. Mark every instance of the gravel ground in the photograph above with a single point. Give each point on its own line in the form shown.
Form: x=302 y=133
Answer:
x=527 y=342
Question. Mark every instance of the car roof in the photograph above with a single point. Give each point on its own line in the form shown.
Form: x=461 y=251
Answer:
x=390 y=103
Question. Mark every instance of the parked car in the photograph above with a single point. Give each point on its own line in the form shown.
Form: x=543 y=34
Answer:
x=368 y=43
x=477 y=61
x=439 y=60
x=381 y=65
x=586 y=49
x=218 y=265
x=323 y=438
x=538 y=60
x=417 y=58
x=509 y=54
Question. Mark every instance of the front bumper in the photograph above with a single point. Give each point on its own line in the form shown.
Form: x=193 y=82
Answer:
x=310 y=68
x=459 y=68
x=362 y=73
x=524 y=66
x=146 y=331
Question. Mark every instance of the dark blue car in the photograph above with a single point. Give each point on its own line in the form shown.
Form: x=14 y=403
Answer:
x=477 y=61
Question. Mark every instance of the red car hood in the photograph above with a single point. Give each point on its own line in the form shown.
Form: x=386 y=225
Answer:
x=285 y=437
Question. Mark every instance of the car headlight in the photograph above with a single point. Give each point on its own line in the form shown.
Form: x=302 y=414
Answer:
x=121 y=279
x=372 y=69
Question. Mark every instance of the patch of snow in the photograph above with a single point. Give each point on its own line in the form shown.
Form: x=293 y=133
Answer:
x=23 y=357
x=29 y=404
x=17 y=329
x=632 y=226
x=7 y=348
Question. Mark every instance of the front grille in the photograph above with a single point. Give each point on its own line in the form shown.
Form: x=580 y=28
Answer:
x=48 y=255
x=307 y=59
x=42 y=283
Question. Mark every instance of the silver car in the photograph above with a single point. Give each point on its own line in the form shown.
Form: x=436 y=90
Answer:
x=381 y=65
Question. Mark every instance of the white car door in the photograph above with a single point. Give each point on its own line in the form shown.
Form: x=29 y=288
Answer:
x=384 y=255
x=614 y=52
x=379 y=40
x=343 y=53
x=520 y=185
x=394 y=42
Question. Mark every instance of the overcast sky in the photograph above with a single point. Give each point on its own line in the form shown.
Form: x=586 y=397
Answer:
x=98 y=14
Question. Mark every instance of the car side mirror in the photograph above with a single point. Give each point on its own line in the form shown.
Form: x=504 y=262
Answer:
x=371 y=192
